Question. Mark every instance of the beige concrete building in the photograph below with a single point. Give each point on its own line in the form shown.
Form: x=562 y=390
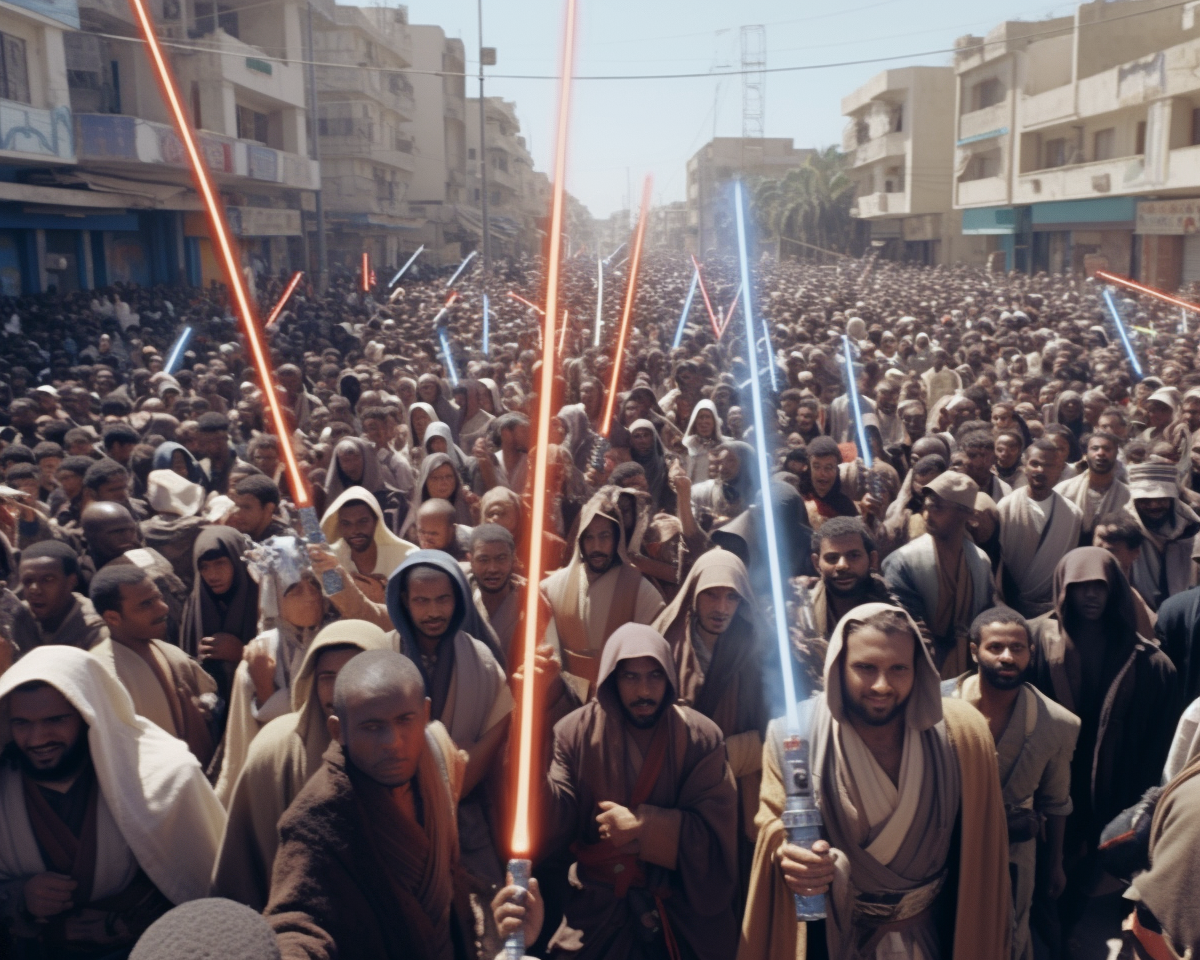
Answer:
x=1079 y=140
x=711 y=173
x=509 y=177
x=899 y=138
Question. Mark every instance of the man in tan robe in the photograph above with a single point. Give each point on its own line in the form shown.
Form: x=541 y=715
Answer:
x=280 y=761
x=597 y=592
x=496 y=589
x=1097 y=491
x=168 y=687
x=1035 y=740
x=897 y=771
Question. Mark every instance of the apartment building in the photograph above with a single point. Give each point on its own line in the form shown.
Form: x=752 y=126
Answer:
x=899 y=139
x=511 y=214
x=1078 y=141
x=710 y=175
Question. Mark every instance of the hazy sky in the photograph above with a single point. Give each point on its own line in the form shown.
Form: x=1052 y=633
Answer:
x=623 y=129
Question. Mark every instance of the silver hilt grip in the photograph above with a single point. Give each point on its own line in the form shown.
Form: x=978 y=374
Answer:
x=514 y=946
x=331 y=580
x=801 y=818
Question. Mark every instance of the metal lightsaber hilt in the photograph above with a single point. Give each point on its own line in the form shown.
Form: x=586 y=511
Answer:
x=514 y=946
x=801 y=818
x=331 y=580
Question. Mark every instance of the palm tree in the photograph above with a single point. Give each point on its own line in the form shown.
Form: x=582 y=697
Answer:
x=810 y=204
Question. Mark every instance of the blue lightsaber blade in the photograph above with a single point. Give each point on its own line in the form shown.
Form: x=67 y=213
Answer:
x=599 y=300
x=864 y=448
x=486 y=312
x=613 y=254
x=445 y=339
x=404 y=269
x=687 y=308
x=461 y=267
x=1116 y=315
x=176 y=353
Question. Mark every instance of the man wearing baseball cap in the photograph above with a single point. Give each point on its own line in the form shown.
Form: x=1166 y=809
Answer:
x=1164 y=565
x=942 y=577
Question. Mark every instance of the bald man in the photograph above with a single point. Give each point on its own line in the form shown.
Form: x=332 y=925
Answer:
x=367 y=853
x=437 y=529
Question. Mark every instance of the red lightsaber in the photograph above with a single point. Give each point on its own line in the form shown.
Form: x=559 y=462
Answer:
x=532 y=306
x=635 y=260
x=366 y=272
x=712 y=316
x=273 y=316
x=1148 y=291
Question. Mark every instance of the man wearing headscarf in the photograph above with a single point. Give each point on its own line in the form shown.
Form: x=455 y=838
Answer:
x=1125 y=691
x=442 y=633
x=433 y=391
x=646 y=449
x=361 y=542
x=597 y=592
x=95 y=804
x=897 y=773
x=282 y=758
x=1037 y=526
x=732 y=489
x=355 y=464
x=1164 y=566
x=475 y=419
x=640 y=793
x=826 y=497
x=942 y=578
x=1035 y=740
x=367 y=859
x=172 y=531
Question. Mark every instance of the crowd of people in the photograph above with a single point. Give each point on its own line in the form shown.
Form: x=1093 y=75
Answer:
x=223 y=730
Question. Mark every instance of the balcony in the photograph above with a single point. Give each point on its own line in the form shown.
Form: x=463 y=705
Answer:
x=988 y=191
x=393 y=92
x=27 y=131
x=872 y=205
x=1081 y=181
x=1043 y=109
x=504 y=178
x=239 y=63
x=977 y=122
x=893 y=144
x=364 y=149
x=116 y=140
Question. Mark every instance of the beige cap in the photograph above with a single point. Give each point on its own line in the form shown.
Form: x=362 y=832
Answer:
x=168 y=492
x=958 y=488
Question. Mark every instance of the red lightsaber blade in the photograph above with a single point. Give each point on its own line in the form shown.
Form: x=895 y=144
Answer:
x=532 y=306
x=366 y=272
x=635 y=260
x=712 y=315
x=273 y=316
x=522 y=843
x=1148 y=291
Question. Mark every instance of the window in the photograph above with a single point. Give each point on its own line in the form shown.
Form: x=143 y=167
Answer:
x=987 y=93
x=982 y=166
x=470 y=153
x=1195 y=126
x=1140 y=141
x=335 y=126
x=251 y=125
x=14 y=69
x=898 y=119
x=1056 y=152
x=1104 y=144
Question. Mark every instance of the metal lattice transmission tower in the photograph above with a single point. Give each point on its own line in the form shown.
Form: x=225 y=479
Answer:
x=754 y=80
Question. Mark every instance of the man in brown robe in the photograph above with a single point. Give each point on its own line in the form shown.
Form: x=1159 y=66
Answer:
x=719 y=646
x=897 y=772
x=368 y=851
x=51 y=611
x=640 y=792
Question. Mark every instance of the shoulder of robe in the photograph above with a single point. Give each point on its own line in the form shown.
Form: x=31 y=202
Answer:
x=1057 y=715
x=702 y=732
x=272 y=743
x=967 y=729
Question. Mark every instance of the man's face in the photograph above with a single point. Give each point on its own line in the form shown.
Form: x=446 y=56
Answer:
x=428 y=391
x=886 y=399
x=384 y=734
x=48 y=467
x=249 y=516
x=1155 y=511
x=350 y=459
x=599 y=544
x=442 y=482
x=1003 y=654
x=1101 y=455
x=806 y=417
x=978 y=464
x=1191 y=413
x=716 y=608
x=728 y=465
x=588 y=395
x=642 y=687
x=71 y=482
x=434 y=533
x=642 y=441
x=376 y=431
x=1088 y=599
x=844 y=564
x=492 y=565
x=943 y=520
x=114 y=536
x=502 y=512
x=429 y=598
x=1008 y=451
x=290 y=380
x=143 y=613
x=878 y=678
x=115 y=490
x=1158 y=414
x=1195 y=455
x=356 y=525
x=1040 y=468
x=1105 y=538
x=303 y=604
x=914 y=421
x=49 y=734
x=213 y=443
x=1110 y=423
x=46 y=588
x=329 y=664
x=823 y=471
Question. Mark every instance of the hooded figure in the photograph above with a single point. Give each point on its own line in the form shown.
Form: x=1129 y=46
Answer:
x=280 y=760
x=475 y=419
x=458 y=498
x=498 y=406
x=416 y=445
x=725 y=683
x=1164 y=565
x=586 y=606
x=680 y=787
x=654 y=462
x=728 y=498
x=467 y=689
x=463 y=463
x=370 y=476
x=699 y=448
x=444 y=406
x=147 y=801
x=1128 y=705
x=581 y=439
x=893 y=841
x=390 y=550
x=164 y=459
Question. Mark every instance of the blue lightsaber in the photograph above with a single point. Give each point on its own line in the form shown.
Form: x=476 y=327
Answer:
x=486 y=311
x=599 y=300
x=1116 y=315
x=801 y=816
x=404 y=269
x=687 y=308
x=461 y=267
x=852 y=390
x=613 y=254
x=176 y=353
x=449 y=357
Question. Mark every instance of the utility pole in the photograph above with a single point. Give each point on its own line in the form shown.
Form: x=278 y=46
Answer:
x=483 y=186
x=314 y=148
